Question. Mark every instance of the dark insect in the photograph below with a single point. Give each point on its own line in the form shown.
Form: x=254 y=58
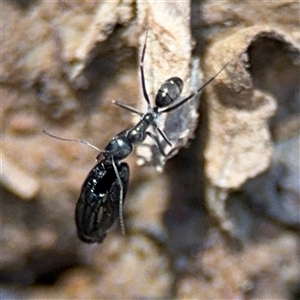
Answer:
x=98 y=204
x=103 y=192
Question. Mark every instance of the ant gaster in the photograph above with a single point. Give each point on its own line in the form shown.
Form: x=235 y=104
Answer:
x=103 y=192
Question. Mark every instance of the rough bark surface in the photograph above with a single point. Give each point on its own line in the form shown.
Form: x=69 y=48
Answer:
x=63 y=62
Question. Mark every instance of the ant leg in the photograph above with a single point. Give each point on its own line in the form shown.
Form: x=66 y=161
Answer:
x=122 y=225
x=127 y=107
x=158 y=144
x=163 y=135
x=142 y=73
x=72 y=140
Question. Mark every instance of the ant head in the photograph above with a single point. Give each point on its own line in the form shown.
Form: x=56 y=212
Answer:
x=169 y=92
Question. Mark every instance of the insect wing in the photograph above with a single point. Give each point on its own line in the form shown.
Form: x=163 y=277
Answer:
x=98 y=205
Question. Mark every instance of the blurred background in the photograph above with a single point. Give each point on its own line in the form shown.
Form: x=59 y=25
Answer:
x=222 y=220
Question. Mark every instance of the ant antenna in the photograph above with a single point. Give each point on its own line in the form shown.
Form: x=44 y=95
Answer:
x=168 y=109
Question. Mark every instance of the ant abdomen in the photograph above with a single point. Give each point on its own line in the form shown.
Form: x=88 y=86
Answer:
x=98 y=205
x=169 y=92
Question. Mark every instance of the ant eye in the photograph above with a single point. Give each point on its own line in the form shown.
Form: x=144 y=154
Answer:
x=169 y=92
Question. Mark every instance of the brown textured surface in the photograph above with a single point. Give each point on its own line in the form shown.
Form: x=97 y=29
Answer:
x=61 y=65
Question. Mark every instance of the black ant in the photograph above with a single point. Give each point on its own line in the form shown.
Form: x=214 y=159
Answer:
x=104 y=190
